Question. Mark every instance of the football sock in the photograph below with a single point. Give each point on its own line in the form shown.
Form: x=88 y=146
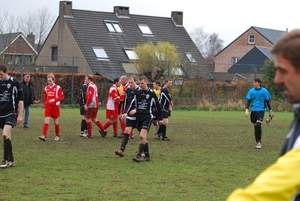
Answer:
x=6 y=149
x=163 y=130
x=146 y=150
x=141 y=149
x=123 y=126
x=89 y=128
x=100 y=126
x=124 y=141
x=131 y=133
x=10 y=153
x=83 y=126
x=115 y=127
x=106 y=125
x=45 y=129
x=57 y=127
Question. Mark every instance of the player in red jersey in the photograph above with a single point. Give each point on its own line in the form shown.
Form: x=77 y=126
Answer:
x=112 y=103
x=53 y=94
x=91 y=107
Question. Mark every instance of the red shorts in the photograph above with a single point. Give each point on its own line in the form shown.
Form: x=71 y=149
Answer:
x=112 y=114
x=52 y=111
x=91 y=113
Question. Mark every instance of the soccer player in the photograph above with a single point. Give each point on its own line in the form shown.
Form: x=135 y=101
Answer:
x=112 y=103
x=11 y=101
x=156 y=90
x=130 y=119
x=53 y=94
x=166 y=106
x=122 y=91
x=91 y=107
x=82 y=102
x=142 y=107
x=258 y=97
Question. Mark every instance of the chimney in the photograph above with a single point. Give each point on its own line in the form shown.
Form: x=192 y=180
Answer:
x=31 y=39
x=121 y=11
x=177 y=16
x=65 y=8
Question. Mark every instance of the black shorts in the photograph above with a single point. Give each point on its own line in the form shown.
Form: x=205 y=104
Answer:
x=8 y=120
x=82 y=110
x=165 y=114
x=257 y=116
x=131 y=123
x=143 y=122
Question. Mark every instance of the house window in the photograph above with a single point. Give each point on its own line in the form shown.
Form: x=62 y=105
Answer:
x=160 y=56
x=145 y=29
x=234 y=60
x=113 y=26
x=190 y=57
x=100 y=53
x=54 y=53
x=131 y=54
x=251 y=39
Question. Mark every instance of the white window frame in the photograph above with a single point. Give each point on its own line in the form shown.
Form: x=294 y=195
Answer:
x=131 y=54
x=100 y=53
x=190 y=57
x=113 y=26
x=234 y=60
x=145 y=29
x=251 y=39
x=160 y=56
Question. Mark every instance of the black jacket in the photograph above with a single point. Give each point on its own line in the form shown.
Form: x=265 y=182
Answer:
x=28 y=93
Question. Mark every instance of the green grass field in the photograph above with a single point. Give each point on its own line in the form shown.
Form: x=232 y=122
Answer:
x=209 y=155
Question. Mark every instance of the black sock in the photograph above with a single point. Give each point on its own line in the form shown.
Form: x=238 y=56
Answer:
x=257 y=133
x=83 y=125
x=159 y=130
x=6 y=150
x=141 y=149
x=163 y=131
x=10 y=153
x=146 y=150
x=124 y=141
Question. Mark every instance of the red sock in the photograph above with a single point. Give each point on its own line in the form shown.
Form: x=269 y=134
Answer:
x=45 y=129
x=89 y=128
x=131 y=133
x=57 y=130
x=106 y=125
x=123 y=126
x=98 y=123
x=115 y=127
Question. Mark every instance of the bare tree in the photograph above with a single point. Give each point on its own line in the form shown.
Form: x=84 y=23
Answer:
x=214 y=45
x=199 y=37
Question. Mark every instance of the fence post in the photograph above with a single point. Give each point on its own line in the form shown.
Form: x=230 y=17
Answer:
x=213 y=83
x=72 y=87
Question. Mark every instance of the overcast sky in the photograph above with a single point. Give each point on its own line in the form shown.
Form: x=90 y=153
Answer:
x=228 y=18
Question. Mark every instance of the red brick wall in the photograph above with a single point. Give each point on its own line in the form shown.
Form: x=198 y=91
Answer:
x=238 y=48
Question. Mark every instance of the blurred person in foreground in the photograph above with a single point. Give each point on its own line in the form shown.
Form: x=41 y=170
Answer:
x=281 y=181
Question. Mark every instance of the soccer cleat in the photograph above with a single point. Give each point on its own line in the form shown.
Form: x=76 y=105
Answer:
x=103 y=133
x=119 y=153
x=157 y=136
x=56 y=138
x=165 y=139
x=4 y=164
x=258 y=145
x=115 y=135
x=10 y=164
x=82 y=134
x=42 y=138
x=26 y=126
x=120 y=135
x=131 y=137
x=137 y=159
x=88 y=137
x=147 y=158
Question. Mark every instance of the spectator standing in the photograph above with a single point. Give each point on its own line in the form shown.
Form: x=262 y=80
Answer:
x=53 y=94
x=11 y=101
x=28 y=97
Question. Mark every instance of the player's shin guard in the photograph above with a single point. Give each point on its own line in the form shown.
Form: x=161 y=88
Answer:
x=45 y=129
x=124 y=141
x=257 y=132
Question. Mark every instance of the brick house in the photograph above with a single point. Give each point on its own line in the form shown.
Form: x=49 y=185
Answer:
x=253 y=37
x=17 y=50
x=102 y=42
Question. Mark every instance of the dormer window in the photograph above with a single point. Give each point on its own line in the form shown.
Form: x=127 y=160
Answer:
x=251 y=39
x=131 y=54
x=113 y=26
x=190 y=57
x=100 y=53
x=145 y=29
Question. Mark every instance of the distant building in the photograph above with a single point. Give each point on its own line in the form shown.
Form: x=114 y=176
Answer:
x=102 y=42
